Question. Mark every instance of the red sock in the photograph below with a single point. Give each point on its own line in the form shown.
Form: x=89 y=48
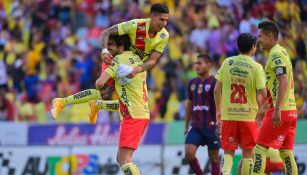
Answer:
x=194 y=164
x=215 y=168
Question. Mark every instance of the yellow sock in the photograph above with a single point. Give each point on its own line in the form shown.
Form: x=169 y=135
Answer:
x=227 y=164
x=247 y=164
x=130 y=169
x=112 y=105
x=290 y=164
x=259 y=160
x=82 y=97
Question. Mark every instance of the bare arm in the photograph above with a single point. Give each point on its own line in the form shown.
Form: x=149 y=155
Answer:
x=100 y=82
x=104 y=35
x=188 y=112
x=104 y=39
x=218 y=99
x=148 y=64
x=282 y=87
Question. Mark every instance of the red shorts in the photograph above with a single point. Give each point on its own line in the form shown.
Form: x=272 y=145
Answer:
x=131 y=132
x=278 y=138
x=241 y=133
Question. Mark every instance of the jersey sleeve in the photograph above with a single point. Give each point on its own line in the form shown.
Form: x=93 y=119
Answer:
x=278 y=63
x=111 y=70
x=161 y=46
x=260 y=77
x=127 y=27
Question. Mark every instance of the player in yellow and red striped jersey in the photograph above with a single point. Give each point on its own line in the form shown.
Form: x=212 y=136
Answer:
x=148 y=39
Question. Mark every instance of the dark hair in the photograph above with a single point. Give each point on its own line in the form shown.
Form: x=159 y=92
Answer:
x=245 y=42
x=159 y=8
x=205 y=57
x=122 y=40
x=269 y=27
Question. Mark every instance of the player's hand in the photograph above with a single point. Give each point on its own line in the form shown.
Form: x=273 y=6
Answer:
x=276 y=118
x=106 y=57
x=218 y=130
x=260 y=116
x=124 y=70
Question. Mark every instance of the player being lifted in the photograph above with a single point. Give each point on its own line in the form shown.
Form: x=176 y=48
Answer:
x=278 y=127
x=148 y=38
x=200 y=108
x=238 y=81
x=132 y=96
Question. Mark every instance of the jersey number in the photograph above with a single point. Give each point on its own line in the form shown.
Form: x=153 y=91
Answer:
x=238 y=94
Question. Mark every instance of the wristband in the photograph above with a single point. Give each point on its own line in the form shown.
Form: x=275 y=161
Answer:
x=104 y=51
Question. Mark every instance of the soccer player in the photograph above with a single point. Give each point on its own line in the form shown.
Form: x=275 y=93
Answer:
x=148 y=38
x=90 y=94
x=133 y=107
x=278 y=127
x=239 y=80
x=200 y=108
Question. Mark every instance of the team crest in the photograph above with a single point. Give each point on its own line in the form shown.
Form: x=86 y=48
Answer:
x=200 y=88
x=192 y=87
x=207 y=87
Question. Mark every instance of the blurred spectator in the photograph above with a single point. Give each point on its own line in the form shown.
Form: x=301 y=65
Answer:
x=50 y=48
x=6 y=108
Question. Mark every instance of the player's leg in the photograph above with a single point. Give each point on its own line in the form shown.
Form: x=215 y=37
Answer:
x=131 y=132
x=248 y=135
x=214 y=144
x=81 y=97
x=193 y=140
x=96 y=105
x=229 y=144
x=286 y=150
x=124 y=159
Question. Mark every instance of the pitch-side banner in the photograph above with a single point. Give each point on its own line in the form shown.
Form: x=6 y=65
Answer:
x=88 y=160
x=13 y=133
x=86 y=134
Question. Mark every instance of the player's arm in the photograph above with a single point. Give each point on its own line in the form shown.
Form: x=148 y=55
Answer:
x=263 y=107
x=148 y=64
x=218 y=99
x=282 y=87
x=100 y=82
x=188 y=113
x=104 y=39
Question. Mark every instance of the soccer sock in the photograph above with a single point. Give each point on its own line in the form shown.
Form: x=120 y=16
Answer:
x=112 y=105
x=259 y=159
x=82 y=97
x=247 y=164
x=290 y=164
x=227 y=164
x=215 y=168
x=130 y=169
x=194 y=164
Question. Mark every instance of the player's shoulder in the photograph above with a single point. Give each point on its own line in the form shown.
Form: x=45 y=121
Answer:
x=191 y=81
x=163 y=34
x=228 y=61
x=277 y=52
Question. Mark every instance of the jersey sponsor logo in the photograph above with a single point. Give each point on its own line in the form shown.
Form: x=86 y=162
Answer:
x=112 y=106
x=82 y=94
x=238 y=72
x=162 y=35
x=138 y=52
x=200 y=108
x=280 y=138
x=242 y=64
x=207 y=87
x=200 y=88
x=274 y=90
x=124 y=96
x=278 y=62
x=193 y=86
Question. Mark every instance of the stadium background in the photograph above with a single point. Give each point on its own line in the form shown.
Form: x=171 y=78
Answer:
x=50 y=48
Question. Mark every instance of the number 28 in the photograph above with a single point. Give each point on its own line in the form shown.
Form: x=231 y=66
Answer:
x=238 y=94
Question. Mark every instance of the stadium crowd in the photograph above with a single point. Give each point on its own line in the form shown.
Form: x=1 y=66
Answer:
x=51 y=48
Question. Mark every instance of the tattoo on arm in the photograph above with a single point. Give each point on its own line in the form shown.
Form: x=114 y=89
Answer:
x=147 y=65
x=151 y=61
x=104 y=36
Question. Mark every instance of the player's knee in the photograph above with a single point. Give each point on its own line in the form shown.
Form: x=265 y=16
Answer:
x=247 y=153
x=214 y=157
x=123 y=159
x=189 y=155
